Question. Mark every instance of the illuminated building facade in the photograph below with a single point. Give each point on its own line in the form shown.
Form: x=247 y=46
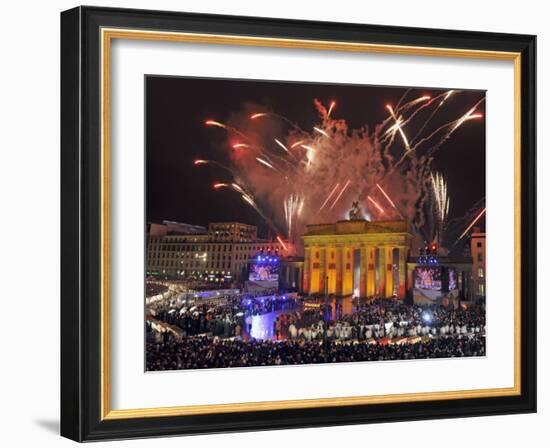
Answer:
x=477 y=248
x=217 y=255
x=356 y=258
x=233 y=231
x=291 y=274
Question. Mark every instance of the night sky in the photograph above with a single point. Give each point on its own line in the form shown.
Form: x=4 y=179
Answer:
x=176 y=109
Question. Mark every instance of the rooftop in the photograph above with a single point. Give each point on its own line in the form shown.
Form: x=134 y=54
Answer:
x=357 y=227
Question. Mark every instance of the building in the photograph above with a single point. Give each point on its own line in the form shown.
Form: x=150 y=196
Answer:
x=372 y=259
x=233 y=231
x=174 y=228
x=356 y=258
x=218 y=255
x=290 y=279
x=477 y=249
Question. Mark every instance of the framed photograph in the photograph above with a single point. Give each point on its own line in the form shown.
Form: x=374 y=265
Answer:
x=276 y=224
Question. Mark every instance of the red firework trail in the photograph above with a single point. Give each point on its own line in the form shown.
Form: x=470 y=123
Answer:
x=330 y=108
x=340 y=194
x=376 y=204
x=282 y=243
x=258 y=115
x=329 y=196
x=386 y=196
x=476 y=219
x=214 y=123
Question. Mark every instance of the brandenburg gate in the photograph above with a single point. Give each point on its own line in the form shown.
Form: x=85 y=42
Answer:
x=356 y=258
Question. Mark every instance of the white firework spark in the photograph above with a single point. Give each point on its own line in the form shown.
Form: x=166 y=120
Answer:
x=293 y=206
x=442 y=200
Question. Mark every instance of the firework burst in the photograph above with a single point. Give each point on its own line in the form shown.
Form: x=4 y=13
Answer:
x=316 y=175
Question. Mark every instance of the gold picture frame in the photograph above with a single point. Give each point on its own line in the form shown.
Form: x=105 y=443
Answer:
x=108 y=30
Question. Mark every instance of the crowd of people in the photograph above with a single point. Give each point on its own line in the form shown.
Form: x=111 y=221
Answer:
x=153 y=289
x=225 y=316
x=215 y=333
x=217 y=318
x=212 y=352
x=382 y=318
x=252 y=305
